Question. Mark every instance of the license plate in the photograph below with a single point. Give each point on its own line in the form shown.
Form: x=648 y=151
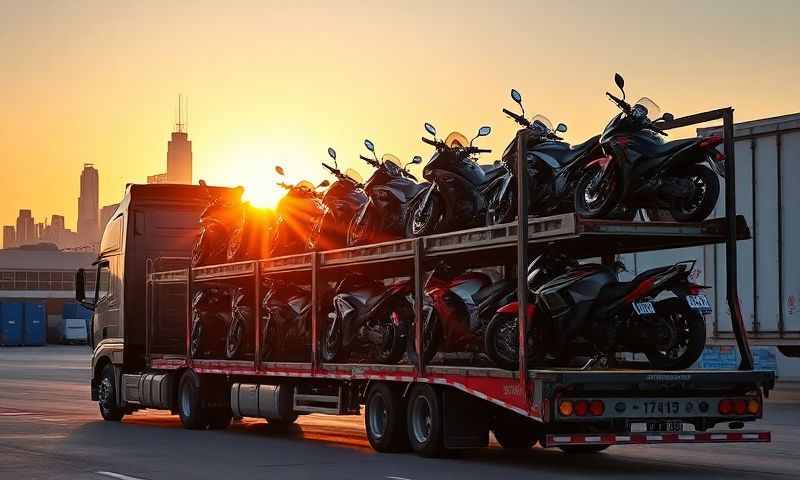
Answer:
x=668 y=426
x=644 y=308
x=699 y=302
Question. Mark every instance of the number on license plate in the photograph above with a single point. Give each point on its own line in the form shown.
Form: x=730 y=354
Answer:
x=699 y=302
x=661 y=408
x=644 y=308
x=670 y=426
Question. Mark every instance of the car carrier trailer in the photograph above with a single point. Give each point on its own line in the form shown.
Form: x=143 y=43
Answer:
x=142 y=325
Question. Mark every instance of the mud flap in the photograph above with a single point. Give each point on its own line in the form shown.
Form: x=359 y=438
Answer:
x=466 y=420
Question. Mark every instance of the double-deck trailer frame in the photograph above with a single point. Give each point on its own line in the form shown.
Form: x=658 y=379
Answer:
x=531 y=393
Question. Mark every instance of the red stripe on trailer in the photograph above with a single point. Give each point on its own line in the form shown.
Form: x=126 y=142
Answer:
x=656 y=438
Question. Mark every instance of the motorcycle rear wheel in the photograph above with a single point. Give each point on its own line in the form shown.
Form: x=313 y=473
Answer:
x=700 y=206
x=691 y=331
x=600 y=203
x=395 y=319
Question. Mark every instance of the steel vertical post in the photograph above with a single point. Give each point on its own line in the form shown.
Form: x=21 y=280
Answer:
x=739 y=328
x=419 y=299
x=522 y=256
x=257 y=314
x=315 y=311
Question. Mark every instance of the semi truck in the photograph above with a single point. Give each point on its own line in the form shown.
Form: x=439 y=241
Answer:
x=141 y=335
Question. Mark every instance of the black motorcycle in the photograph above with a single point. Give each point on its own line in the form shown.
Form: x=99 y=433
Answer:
x=217 y=222
x=238 y=340
x=584 y=310
x=554 y=166
x=368 y=320
x=341 y=202
x=211 y=317
x=286 y=322
x=297 y=214
x=640 y=170
x=462 y=192
x=390 y=189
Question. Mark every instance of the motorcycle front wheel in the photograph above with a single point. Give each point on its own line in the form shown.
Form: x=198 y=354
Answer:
x=501 y=342
x=424 y=219
x=361 y=231
x=431 y=337
x=689 y=329
x=332 y=349
x=597 y=193
x=702 y=203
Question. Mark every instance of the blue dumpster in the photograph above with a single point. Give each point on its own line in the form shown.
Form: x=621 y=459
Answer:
x=34 y=330
x=11 y=324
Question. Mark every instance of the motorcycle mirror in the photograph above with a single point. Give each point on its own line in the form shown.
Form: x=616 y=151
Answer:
x=332 y=153
x=430 y=129
x=323 y=184
x=484 y=130
x=416 y=160
x=279 y=171
x=370 y=146
x=620 y=83
x=202 y=183
x=515 y=95
x=561 y=127
x=668 y=117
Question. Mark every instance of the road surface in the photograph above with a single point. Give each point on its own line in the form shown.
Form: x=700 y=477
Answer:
x=50 y=429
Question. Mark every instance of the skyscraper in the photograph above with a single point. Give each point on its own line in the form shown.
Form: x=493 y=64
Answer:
x=179 y=153
x=9 y=236
x=26 y=228
x=88 y=204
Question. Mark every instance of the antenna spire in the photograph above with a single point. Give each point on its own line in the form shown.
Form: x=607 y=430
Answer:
x=180 y=126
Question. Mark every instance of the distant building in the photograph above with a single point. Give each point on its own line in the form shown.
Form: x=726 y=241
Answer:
x=89 y=204
x=179 y=155
x=26 y=228
x=9 y=236
x=105 y=215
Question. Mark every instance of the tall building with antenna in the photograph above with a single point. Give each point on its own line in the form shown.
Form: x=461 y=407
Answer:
x=89 y=204
x=179 y=151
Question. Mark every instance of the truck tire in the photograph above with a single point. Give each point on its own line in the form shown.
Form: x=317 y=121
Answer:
x=514 y=431
x=107 y=391
x=385 y=420
x=424 y=421
x=583 y=448
x=191 y=409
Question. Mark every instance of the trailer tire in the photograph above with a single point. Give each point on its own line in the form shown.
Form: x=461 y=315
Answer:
x=424 y=421
x=385 y=420
x=107 y=391
x=572 y=449
x=514 y=431
x=190 y=403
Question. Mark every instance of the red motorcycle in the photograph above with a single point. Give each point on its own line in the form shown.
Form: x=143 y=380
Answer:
x=457 y=310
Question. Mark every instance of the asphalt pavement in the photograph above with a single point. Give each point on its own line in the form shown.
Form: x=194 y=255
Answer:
x=50 y=429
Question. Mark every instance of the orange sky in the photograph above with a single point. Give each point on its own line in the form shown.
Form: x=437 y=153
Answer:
x=277 y=83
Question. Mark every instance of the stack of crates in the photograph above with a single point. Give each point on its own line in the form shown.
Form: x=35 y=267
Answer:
x=23 y=324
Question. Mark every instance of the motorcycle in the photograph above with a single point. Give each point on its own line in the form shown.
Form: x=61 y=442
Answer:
x=249 y=238
x=580 y=310
x=462 y=192
x=238 y=339
x=672 y=180
x=286 y=320
x=211 y=316
x=554 y=166
x=389 y=191
x=217 y=221
x=456 y=310
x=297 y=213
x=340 y=203
x=368 y=318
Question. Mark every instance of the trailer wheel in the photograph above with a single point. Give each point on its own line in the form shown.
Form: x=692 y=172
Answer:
x=190 y=404
x=583 y=448
x=514 y=431
x=424 y=421
x=385 y=419
x=107 y=392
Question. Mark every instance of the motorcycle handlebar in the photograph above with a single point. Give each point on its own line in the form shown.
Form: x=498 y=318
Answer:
x=517 y=118
x=332 y=170
x=409 y=175
x=371 y=161
x=479 y=150
x=620 y=102
x=430 y=142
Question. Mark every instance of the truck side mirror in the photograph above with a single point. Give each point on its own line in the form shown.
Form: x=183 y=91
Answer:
x=80 y=289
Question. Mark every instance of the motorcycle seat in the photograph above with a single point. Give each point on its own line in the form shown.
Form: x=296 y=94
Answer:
x=614 y=291
x=491 y=291
x=576 y=151
x=493 y=171
x=655 y=150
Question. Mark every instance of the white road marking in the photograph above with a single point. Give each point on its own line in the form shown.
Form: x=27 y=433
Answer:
x=397 y=478
x=118 y=476
x=15 y=414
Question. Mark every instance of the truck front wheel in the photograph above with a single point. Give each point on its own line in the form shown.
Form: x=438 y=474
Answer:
x=385 y=419
x=107 y=393
x=190 y=404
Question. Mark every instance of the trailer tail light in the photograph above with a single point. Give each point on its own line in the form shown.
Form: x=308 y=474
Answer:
x=739 y=406
x=565 y=408
x=581 y=407
x=597 y=408
x=753 y=406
